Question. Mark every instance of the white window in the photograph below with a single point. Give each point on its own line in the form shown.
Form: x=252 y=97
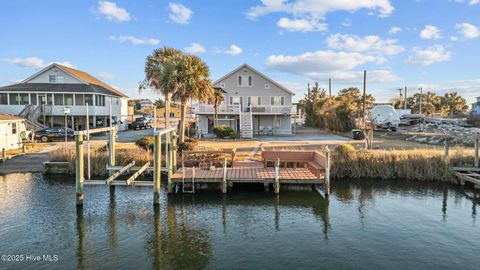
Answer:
x=277 y=101
x=236 y=100
x=267 y=86
x=254 y=100
x=55 y=78
x=278 y=122
x=245 y=81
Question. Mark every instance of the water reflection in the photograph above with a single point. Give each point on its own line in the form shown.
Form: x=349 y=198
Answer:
x=81 y=238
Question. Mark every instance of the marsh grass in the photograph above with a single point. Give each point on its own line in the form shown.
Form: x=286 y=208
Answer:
x=99 y=158
x=420 y=164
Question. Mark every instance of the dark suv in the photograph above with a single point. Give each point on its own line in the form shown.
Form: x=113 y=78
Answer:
x=53 y=134
x=142 y=123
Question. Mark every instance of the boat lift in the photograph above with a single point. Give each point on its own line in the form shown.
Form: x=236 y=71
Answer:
x=170 y=156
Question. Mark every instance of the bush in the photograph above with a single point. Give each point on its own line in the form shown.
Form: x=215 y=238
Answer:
x=222 y=131
x=189 y=144
x=145 y=143
x=235 y=135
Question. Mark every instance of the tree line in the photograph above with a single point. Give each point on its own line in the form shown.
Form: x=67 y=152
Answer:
x=449 y=104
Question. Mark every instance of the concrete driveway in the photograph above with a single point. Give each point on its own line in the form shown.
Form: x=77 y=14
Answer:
x=306 y=134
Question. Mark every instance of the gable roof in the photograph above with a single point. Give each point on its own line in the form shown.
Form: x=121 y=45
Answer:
x=81 y=76
x=259 y=73
x=9 y=117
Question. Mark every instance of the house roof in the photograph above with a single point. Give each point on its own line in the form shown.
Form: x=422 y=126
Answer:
x=81 y=76
x=217 y=88
x=6 y=117
x=259 y=73
x=57 y=87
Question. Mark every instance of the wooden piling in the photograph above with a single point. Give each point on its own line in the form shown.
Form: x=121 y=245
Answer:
x=277 y=176
x=4 y=155
x=447 y=148
x=112 y=155
x=157 y=160
x=327 y=171
x=168 y=156
x=224 y=182
x=24 y=149
x=173 y=146
x=79 y=168
x=476 y=152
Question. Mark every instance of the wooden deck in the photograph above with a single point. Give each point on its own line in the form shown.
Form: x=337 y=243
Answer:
x=249 y=175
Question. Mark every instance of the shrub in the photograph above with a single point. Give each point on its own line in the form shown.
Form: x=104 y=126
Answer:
x=189 y=144
x=145 y=143
x=222 y=131
x=235 y=135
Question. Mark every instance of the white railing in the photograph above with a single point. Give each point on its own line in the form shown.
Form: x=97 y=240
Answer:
x=259 y=109
x=208 y=108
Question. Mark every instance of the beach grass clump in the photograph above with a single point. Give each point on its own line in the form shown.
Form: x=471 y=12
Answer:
x=418 y=164
x=99 y=158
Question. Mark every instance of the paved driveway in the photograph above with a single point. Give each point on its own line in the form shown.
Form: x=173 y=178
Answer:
x=306 y=134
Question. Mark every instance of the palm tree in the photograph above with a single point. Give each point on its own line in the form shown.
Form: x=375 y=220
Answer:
x=453 y=103
x=191 y=76
x=155 y=79
x=217 y=98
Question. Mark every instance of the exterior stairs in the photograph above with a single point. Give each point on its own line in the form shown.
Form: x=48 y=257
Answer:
x=31 y=115
x=246 y=125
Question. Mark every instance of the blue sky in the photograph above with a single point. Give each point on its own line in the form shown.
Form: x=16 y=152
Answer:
x=432 y=44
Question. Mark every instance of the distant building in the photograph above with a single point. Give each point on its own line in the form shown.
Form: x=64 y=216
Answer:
x=12 y=131
x=476 y=107
x=41 y=99
x=141 y=104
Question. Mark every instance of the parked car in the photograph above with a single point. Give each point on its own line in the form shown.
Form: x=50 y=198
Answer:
x=53 y=134
x=142 y=123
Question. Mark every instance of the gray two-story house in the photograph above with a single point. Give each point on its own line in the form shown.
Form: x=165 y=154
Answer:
x=253 y=104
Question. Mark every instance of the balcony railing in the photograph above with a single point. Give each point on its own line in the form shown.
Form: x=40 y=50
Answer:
x=235 y=109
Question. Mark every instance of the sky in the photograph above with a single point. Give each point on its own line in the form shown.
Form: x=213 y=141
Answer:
x=433 y=44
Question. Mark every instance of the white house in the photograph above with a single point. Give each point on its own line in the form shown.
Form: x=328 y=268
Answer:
x=12 y=130
x=253 y=105
x=41 y=98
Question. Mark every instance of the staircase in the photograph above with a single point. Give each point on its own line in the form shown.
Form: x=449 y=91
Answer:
x=31 y=115
x=246 y=125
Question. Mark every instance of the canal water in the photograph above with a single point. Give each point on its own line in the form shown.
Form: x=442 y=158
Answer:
x=364 y=225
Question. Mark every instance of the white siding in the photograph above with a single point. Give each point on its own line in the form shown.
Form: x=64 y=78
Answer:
x=44 y=76
x=7 y=139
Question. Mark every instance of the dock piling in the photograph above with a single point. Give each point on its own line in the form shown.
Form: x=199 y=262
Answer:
x=4 y=155
x=476 y=153
x=447 y=148
x=79 y=168
x=112 y=155
x=157 y=159
x=327 y=171
x=277 y=176
x=224 y=182
x=173 y=142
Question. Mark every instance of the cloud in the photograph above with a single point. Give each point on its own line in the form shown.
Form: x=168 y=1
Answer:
x=233 y=50
x=467 y=30
x=113 y=12
x=179 y=13
x=320 y=65
x=195 y=48
x=34 y=62
x=301 y=25
x=134 y=40
x=430 y=32
x=394 y=30
x=373 y=44
x=428 y=56
x=105 y=76
x=318 y=9
x=470 y=2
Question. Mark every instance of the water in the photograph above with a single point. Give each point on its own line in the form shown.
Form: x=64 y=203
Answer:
x=364 y=225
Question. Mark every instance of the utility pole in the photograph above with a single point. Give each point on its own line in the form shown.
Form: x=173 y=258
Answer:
x=364 y=96
x=421 y=94
x=400 y=100
x=329 y=87
x=405 y=97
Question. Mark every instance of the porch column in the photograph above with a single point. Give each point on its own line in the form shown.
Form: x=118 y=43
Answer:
x=94 y=118
x=73 y=122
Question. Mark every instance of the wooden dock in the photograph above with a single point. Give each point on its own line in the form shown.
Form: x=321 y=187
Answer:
x=247 y=175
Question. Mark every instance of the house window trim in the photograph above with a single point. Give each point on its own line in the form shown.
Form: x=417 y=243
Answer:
x=250 y=98
x=241 y=79
x=282 y=100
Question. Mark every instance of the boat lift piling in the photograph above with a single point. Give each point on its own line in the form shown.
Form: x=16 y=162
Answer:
x=131 y=181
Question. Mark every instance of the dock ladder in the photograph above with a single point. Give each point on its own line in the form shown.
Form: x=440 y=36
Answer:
x=192 y=190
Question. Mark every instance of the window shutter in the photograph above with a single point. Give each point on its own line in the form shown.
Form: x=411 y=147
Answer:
x=259 y=100
x=250 y=81
x=240 y=80
x=272 y=100
x=249 y=100
x=231 y=100
x=282 y=101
